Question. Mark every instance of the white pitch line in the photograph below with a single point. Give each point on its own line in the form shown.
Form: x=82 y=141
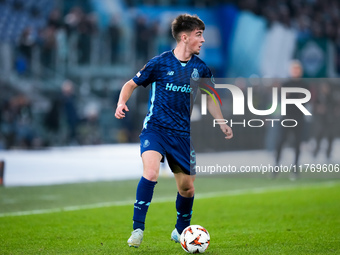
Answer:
x=170 y=199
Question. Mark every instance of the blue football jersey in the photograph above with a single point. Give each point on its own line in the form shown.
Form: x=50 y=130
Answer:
x=169 y=106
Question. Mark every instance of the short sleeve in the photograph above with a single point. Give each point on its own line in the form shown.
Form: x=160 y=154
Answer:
x=147 y=74
x=208 y=79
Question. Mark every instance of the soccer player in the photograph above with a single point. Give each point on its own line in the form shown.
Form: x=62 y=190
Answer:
x=166 y=128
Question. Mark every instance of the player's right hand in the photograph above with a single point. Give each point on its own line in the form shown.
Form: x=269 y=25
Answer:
x=120 y=111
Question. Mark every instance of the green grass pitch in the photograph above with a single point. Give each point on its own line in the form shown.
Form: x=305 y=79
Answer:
x=242 y=215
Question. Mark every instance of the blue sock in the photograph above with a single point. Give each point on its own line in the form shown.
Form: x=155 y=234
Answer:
x=184 y=212
x=143 y=199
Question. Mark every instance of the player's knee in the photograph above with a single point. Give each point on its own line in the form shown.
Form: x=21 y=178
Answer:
x=187 y=191
x=151 y=175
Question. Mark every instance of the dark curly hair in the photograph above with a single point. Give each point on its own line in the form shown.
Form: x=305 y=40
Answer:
x=185 y=23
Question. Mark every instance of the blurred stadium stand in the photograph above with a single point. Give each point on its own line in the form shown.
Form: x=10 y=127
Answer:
x=99 y=44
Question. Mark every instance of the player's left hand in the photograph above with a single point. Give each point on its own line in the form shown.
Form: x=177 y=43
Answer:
x=227 y=131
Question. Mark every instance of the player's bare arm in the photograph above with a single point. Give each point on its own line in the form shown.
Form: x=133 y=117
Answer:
x=215 y=111
x=124 y=96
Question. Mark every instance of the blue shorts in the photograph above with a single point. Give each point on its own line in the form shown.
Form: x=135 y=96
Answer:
x=178 y=150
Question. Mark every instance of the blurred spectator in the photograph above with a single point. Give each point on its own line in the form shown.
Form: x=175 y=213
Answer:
x=90 y=130
x=70 y=111
x=324 y=118
x=55 y=19
x=16 y=123
x=25 y=46
x=25 y=135
x=61 y=49
x=48 y=47
x=337 y=46
x=7 y=124
x=271 y=130
x=114 y=37
x=154 y=40
x=2 y=141
x=302 y=27
x=86 y=30
x=52 y=120
x=72 y=19
x=142 y=40
x=292 y=112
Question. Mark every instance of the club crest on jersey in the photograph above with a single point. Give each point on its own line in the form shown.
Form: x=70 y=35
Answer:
x=195 y=75
x=146 y=143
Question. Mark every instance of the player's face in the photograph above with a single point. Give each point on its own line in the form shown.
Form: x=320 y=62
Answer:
x=195 y=41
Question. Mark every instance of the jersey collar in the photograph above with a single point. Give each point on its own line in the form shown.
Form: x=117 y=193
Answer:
x=181 y=63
